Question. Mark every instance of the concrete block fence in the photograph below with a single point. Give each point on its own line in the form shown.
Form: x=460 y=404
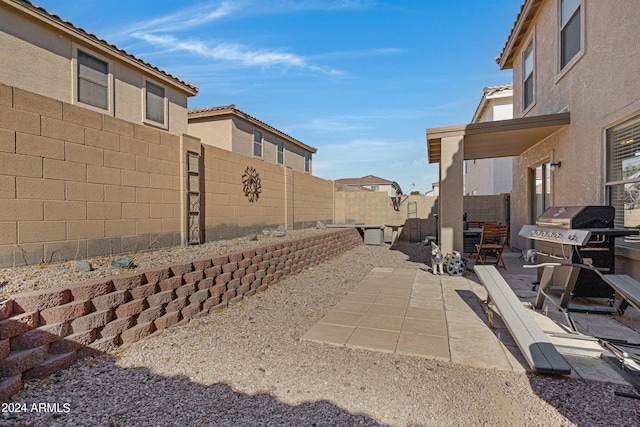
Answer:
x=42 y=332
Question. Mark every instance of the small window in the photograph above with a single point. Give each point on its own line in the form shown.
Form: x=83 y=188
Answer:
x=280 y=152
x=528 y=77
x=257 y=143
x=155 y=103
x=570 y=32
x=307 y=162
x=93 y=81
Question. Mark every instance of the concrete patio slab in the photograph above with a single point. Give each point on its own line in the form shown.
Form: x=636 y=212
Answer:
x=480 y=353
x=329 y=334
x=470 y=331
x=431 y=347
x=374 y=339
x=427 y=304
x=416 y=313
x=423 y=313
x=387 y=310
x=388 y=323
x=342 y=318
x=426 y=327
x=364 y=298
x=392 y=301
x=351 y=307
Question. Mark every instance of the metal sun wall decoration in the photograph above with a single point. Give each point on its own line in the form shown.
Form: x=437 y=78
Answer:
x=252 y=184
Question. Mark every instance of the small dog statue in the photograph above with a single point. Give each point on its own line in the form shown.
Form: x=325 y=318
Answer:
x=529 y=255
x=437 y=259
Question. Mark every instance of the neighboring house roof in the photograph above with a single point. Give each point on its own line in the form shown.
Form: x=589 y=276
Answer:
x=491 y=92
x=231 y=110
x=365 y=180
x=67 y=27
x=521 y=25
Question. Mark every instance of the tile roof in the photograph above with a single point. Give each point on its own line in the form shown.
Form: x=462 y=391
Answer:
x=487 y=92
x=231 y=109
x=523 y=20
x=55 y=20
x=365 y=180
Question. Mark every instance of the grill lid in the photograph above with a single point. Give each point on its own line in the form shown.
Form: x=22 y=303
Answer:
x=578 y=217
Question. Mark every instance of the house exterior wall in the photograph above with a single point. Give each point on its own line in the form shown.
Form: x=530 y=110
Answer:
x=75 y=183
x=383 y=188
x=215 y=133
x=600 y=88
x=488 y=176
x=40 y=58
x=491 y=176
x=236 y=134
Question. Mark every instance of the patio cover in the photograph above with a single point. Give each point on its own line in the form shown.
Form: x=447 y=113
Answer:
x=451 y=145
x=503 y=138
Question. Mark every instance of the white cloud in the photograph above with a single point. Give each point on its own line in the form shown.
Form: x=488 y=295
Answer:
x=186 y=18
x=231 y=52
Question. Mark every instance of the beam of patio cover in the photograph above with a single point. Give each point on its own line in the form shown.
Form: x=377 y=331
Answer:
x=501 y=138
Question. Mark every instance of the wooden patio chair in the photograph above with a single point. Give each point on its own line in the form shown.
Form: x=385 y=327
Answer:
x=492 y=241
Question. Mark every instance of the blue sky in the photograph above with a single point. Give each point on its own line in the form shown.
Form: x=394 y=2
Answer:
x=360 y=80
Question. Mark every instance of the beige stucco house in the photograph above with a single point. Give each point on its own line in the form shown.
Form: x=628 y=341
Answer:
x=576 y=102
x=234 y=130
x=369 y=182
x=490 y=176
x=46 y=55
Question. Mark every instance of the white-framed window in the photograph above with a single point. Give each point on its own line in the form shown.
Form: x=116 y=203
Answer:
x=92 y=80
x=257 y=143
x=280 y=152
x=155 y=104
x=623 y=171
x=528 y=80
x=570 y=30
x=307 y=162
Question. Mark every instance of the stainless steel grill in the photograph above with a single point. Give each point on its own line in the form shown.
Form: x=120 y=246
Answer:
x=579 y=235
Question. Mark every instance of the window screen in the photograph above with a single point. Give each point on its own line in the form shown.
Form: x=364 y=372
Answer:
x=93 y=81
x=528 y=76
x=155 y=103
x=257 y=143
x=280 y=152
x=570 y=32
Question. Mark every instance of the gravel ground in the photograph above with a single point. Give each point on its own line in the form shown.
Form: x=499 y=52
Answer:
x=247 y=366
x=49 y=275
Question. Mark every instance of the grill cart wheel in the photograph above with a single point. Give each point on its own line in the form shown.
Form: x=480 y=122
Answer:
x=455 y=267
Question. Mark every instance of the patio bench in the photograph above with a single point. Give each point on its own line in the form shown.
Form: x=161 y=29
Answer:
x=537 y=349
x=627 y=288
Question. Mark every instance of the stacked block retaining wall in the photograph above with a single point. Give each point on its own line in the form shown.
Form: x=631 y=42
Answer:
x=42 y=332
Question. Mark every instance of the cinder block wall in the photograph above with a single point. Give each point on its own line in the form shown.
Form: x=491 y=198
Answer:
x=487 y=208
x=75 y=183
x=42 y=332
x=368 y=207
x=376 y=208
